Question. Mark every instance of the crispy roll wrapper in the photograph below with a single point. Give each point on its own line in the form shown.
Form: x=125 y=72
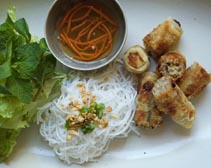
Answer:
x=171 y=100
x=136 y=60
x=163 y=37
x=147 y=114
x=194 y=80
x=171 y=64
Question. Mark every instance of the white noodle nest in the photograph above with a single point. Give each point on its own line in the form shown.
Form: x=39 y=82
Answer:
x=118 y=92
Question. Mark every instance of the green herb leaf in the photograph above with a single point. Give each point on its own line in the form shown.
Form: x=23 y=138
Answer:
x=26 y=60
x=7 y=142
x=11 y=11
x=3 y=91
x=12 y=112
x=22 y=27
x=20 y=88
x=8 y=111
x=43 y=44
x=5 y=70
x=5 y=45
x=27 y=79
x=86 y=129
x=9 y=22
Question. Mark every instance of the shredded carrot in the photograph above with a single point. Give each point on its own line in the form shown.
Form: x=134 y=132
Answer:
x=88 y=32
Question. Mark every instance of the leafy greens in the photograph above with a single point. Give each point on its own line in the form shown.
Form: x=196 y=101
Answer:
x=27 y=79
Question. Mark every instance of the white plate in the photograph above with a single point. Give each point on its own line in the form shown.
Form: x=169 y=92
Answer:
x=169 y=144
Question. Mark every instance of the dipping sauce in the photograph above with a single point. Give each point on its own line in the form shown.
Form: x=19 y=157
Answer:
x=88 y=31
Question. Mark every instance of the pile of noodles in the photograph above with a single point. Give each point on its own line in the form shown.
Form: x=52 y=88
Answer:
x=114 y=87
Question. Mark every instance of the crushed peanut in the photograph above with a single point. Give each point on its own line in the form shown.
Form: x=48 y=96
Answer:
x=73 y=132
x=90 y=116
x=105 y=122
x=79 y=107
x=83 y=89
x=93 y=98
x=81 y=119
x=108 y=108
x=68 y=137
x=106 y=79
x=80 y=84
x=114 y=116
x=89 y=93
x=85 y=100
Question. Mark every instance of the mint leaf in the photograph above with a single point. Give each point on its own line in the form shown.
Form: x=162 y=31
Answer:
x=21 y=88
x=22 y=27
x=9 y=50
x=12 y=13
x=10 y=22
x=5 y=40
x=5 y=70
x=43 y=44
x=26 y=59
x=3 y=91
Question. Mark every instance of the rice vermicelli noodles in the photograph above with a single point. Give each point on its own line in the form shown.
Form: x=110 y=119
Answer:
x=112 y=86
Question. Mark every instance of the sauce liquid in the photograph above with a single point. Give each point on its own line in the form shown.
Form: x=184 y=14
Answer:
x=88 y=31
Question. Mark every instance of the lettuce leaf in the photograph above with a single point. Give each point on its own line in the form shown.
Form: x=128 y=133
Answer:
x=7 y=142
x=8 y=111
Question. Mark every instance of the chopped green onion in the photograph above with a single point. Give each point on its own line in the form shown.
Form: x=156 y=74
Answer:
x=67 y=125
x=99 y=110
x=93 y=105
x=100 y=106
x=86 y=129
x=84 y=110
x=88 y=125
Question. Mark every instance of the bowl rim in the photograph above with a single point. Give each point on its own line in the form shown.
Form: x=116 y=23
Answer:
x=91 y=67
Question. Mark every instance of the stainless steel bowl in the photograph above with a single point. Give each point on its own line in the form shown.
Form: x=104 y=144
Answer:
x=58 y=10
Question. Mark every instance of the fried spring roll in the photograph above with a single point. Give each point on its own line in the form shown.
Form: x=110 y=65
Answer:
x=147 y=114
x=172 y=64
x=194 y=80
x=171 y=100
x=136 y=60
x=163 y=37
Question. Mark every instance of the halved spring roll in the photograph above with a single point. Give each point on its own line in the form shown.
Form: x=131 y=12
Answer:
x=163 y=37
x=194 y=80
x=171 y=100
x=136 y=60
x=172 y=64
x=147 y=114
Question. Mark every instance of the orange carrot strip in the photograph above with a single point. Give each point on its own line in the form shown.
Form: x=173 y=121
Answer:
x=80 y=25
x=73 y=13
x=68 y=14
x=82 y=17
x=104 y=16
x=91 y=31
x=84 y=31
